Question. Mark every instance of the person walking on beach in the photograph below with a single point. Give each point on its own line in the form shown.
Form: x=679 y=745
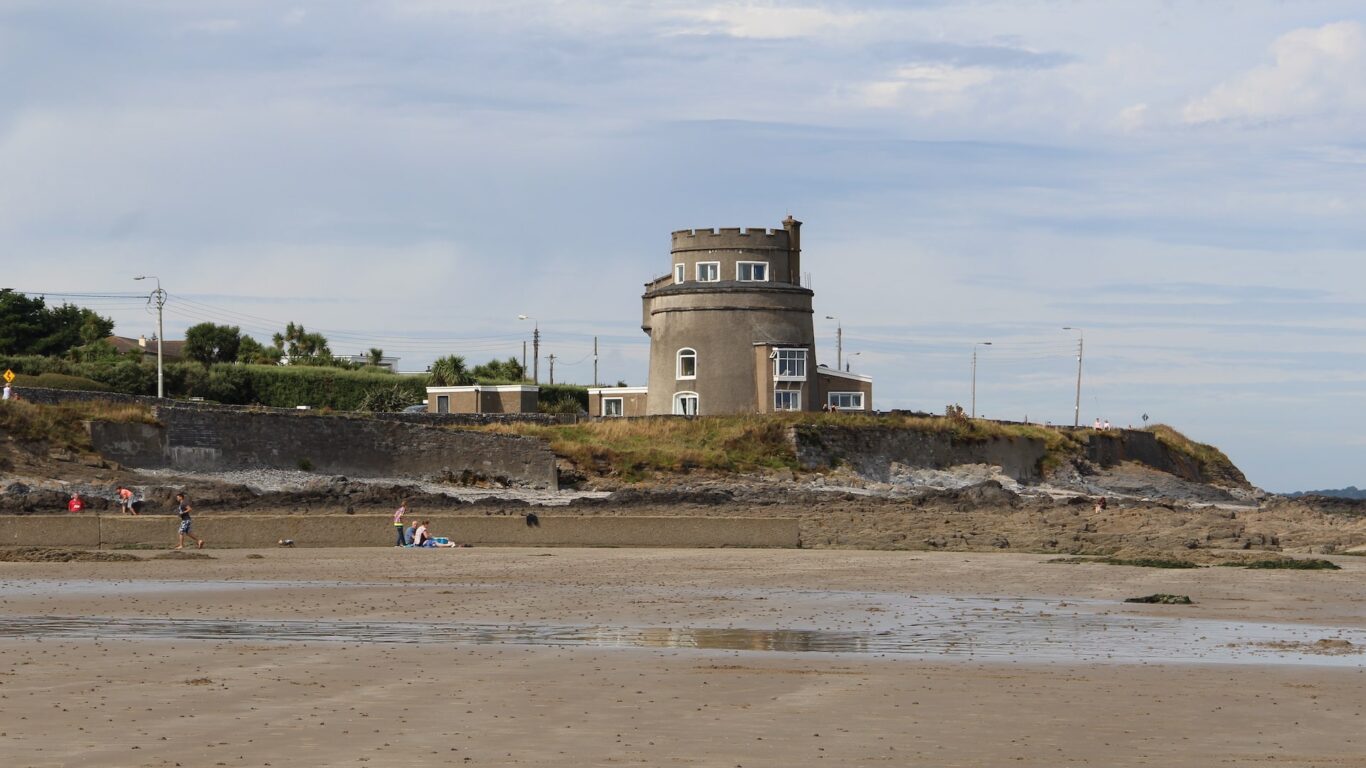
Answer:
x=398 y=523
x=183 y=509
x=125 y=499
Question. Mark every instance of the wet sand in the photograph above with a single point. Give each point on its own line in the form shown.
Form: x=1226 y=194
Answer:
x=166 y=700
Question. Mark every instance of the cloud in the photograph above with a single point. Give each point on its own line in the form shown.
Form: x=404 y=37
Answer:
x=771 y=22
x=1316 y=70
x=943 y=80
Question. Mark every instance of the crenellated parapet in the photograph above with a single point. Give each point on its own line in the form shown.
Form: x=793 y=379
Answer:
x=746 y=238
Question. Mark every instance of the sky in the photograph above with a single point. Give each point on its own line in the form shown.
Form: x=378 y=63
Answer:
x=1184 y=182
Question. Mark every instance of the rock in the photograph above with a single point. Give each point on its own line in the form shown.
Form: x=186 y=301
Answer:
x=1161 y=599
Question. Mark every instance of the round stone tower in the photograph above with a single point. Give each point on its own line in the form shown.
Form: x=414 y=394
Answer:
x=731 y=325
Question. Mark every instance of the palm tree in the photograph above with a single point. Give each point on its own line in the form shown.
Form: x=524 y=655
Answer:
x=376 y=356
x=449 y=371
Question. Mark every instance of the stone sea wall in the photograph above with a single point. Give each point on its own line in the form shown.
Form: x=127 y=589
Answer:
x=233 y=530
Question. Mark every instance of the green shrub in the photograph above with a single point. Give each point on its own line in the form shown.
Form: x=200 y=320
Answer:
x=1289 y=564
x=63 y=381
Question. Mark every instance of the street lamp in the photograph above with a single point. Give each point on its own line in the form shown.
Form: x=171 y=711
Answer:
x=159 y=296
x=535 y=348
x=974 y=374
x=1081 y=345
x=839 y=342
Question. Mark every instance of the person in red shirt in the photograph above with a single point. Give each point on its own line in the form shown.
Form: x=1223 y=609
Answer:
x=76 y=504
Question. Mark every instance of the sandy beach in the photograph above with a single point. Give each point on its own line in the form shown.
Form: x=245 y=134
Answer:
x=674 y=657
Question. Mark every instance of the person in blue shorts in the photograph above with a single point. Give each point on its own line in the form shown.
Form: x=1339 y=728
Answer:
x=183 y=509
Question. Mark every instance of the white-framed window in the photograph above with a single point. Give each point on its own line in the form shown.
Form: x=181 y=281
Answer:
x=685 y=404
x=680 y=271
x=787 y=400
x=613 y=406
x=789 y=365
x=845 y=401
x=751 y=271
x=443 y=403
x=687 y=363
x=708 y=271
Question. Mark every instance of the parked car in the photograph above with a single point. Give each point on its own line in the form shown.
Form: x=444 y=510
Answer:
x=416 y=408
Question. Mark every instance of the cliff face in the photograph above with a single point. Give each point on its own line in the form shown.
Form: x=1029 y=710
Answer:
x=872 y=450
x=1108 y=449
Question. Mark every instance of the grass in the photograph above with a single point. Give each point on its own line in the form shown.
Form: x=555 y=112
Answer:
x=635 y=448
x=1214 y=465
x=60 y=426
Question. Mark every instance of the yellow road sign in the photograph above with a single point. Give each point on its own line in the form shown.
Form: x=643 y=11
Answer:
x=9 y=376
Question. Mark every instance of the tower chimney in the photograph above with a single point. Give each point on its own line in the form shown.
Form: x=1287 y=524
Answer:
x=794 y=244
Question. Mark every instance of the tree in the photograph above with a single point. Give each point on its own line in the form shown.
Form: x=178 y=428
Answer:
x=375 y=357
x=499 y=370
x=449 y=371
x=299 y=343
x=253 y=352
x=210 y=343
x=29 y=327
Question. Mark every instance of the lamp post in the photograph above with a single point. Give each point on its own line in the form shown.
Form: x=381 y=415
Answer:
x=974 y=374
x=1081 y=346
x=839 y=342
x=535 y=348
x=159 y=296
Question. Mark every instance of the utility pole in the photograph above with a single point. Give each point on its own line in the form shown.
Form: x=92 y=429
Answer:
x=158 y=296
x=535 y=349
x=974 y=374
x=595 y=361
x=1081 y=342
x=523 y=359
x=839 y=342
x=551 y=358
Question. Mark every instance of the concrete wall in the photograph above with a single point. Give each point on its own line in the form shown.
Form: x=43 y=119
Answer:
x=228 y=531
x=217 y=439
x=871 y=450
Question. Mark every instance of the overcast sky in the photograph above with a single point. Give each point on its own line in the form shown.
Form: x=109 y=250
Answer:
x=1186 y=182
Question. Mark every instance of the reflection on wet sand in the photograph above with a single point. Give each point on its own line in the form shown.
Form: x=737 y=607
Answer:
x=1020 y=636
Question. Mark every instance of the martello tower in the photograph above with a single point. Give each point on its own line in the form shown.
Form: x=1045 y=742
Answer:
x=730 y=326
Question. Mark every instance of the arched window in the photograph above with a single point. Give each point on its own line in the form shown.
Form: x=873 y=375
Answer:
x=687 y=363
x=685 y=404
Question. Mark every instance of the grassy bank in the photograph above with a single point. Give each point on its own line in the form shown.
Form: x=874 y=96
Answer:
x=1214 y=465
x=60 y=426
x=635 y=448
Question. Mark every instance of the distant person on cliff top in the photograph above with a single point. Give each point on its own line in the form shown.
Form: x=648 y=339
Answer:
x=1096 y=426
x=183 y=509
x=398 y=523
x=124 y=496
x=76 y=504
